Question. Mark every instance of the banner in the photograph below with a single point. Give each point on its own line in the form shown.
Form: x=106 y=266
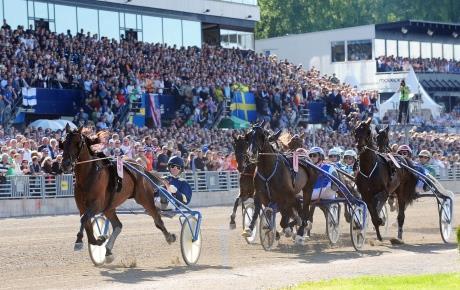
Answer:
x=155 y=111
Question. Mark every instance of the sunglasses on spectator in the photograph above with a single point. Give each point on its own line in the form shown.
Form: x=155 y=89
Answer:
x=175 y=166
x=313 y=155
x=404 y=153
x=333 y=156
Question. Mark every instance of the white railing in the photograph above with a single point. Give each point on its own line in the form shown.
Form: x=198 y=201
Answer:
x=55 y=186
x=46 y=186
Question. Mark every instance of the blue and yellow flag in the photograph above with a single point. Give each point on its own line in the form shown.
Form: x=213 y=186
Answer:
x=244 y=106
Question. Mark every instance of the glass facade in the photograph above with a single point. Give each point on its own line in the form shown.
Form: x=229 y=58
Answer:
x=403 y=48
x=448 y=51
x=112 y=24
x=414 y=49
x=437 y=50
x=457 y=52
x=236 y=39
x=379 y=47
x=392 y=48
x=338 y=51
x=426 y=50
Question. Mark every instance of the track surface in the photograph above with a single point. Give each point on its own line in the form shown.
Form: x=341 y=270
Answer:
x=38 y=252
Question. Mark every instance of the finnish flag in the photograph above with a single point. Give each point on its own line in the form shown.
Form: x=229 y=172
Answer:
x=29 y=97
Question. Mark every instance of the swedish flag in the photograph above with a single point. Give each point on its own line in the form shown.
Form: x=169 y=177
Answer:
x=244 y=106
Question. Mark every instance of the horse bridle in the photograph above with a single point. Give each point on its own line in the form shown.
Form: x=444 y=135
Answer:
x=73 y=162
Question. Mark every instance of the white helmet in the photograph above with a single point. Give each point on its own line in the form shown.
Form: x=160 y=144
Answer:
x=334 y=151
x=317 y=150
x=351 y=153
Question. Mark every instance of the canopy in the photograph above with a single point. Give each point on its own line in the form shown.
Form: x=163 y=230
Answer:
x=415 y=88
x=234 y=123
x=53 y=125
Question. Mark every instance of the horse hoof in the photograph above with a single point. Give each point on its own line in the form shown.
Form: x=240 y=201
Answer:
x=101 y=240
x=232 y=225
x=78 y=247
x=397 y=241
x=109 y=258
x=299 y=240
x=171 y=239
x=287 y=232
x=246 y=233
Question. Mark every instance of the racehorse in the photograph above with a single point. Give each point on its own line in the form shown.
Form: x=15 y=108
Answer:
x=247 y=168
x=382 y=139
x=375 y=180
x=95 y=193
x=274 y=183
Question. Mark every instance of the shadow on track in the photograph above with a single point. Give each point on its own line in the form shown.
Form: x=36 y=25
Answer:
x=137 y=275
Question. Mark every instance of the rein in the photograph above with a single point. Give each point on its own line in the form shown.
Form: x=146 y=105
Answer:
x=375 y=165
x=266 y=180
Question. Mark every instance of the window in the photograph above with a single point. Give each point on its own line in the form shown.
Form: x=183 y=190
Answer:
x=414 y=49
x=338 y=51
x=437 y=50
x=403 y=48
x=448 y=51
x=392 y=48
x=359 y=49
x=457 y=52
x=426 y=50
x=66 y=19
x=191 y=33
x=108 y=24
x=153 y=29
x=41 y=10
x=172 y=31
x=87 y=20
x=379 y=47
x=130 y=21
x=15 y=12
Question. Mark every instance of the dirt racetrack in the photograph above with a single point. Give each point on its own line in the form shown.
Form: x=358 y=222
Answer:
x=38 y=253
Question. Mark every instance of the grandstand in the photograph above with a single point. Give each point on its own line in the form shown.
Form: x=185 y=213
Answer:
x=378 y=56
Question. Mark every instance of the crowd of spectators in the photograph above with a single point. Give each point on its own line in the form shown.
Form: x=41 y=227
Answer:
x=395 y=64
x=113 y=74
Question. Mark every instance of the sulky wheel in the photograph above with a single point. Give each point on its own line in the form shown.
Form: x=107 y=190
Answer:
x=247 y=218
x=333 y=223
x=190 y=248
x=101 y=228
x=357 y=227
x=267 y=229
x=445 y=219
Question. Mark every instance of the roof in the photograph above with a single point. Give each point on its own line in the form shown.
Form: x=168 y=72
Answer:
x=440 y=28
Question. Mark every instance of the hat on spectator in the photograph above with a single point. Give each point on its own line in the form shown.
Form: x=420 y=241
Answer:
x=425 y=153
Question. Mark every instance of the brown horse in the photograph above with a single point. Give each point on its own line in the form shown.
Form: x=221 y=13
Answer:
x=375 y=180
x=95 y=191
x=246 y=170
x=274 y=184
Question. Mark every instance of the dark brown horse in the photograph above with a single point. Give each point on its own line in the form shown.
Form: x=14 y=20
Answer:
x=274 y=184
x=376 y=180
x=95 y=191
x=246 y=170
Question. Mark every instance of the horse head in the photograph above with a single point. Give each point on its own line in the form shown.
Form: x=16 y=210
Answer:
x=240 y=146
x=72 y=146
x=296 y=141
x=383 y=141
x=363 y=133
x=260 y=138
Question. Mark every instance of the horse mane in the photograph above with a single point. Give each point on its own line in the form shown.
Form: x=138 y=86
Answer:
x=284 y=139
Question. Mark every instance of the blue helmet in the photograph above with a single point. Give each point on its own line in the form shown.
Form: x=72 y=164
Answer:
x=317 y=150
x=176 y=160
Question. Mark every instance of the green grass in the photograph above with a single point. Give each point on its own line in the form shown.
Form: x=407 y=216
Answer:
x=418 y=282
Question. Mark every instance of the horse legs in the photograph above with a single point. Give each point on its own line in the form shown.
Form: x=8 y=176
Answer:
x=257 y=207
x=170 y=238
x=401 y=216
x=306 y=223
x=117 y=226
x=232 y=216
x=84 y=220
x=376 y=220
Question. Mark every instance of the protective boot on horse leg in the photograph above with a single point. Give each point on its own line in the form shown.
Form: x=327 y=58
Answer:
x=257 y=208
x=233 y=215
x=117 y=227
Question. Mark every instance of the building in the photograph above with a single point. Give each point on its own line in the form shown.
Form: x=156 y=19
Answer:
x=229 y=23
x=351 y=54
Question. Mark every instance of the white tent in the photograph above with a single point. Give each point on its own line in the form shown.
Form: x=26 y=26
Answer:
x=52 y=124
x=415 y=88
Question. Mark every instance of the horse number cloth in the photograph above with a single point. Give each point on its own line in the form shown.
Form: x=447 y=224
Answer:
x=120 y=166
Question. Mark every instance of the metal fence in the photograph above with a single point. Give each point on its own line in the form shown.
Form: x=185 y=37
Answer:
x=47 y=186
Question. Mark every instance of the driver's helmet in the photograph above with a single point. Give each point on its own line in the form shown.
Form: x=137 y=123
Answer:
x=177 y=161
